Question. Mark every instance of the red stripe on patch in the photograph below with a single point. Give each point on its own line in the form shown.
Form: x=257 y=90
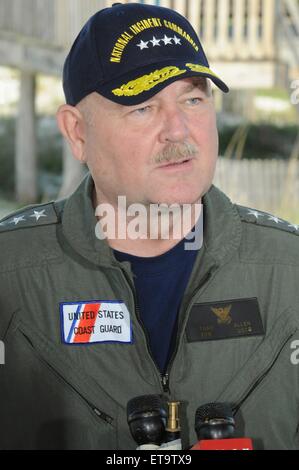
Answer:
x=81 y=336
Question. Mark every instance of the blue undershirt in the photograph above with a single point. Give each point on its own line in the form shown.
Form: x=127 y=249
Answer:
x=160 y=283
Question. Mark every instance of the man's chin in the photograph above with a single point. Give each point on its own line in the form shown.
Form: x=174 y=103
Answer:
x=170 y=200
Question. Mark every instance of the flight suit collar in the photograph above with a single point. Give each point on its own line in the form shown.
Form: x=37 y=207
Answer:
x=79 y=225
x=222 y=227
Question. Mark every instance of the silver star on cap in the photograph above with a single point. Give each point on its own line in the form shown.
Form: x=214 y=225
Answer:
x=256 y=214
x=296 y=227
x=156 y=42
x=166 y=40
x=16 y=220
x=143 y=45
x=38 y=215
x=177 y=41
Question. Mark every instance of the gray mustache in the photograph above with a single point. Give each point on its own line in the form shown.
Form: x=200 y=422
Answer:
x=175 y=152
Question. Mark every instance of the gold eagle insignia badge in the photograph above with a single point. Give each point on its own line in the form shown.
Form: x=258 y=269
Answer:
x=223 y=314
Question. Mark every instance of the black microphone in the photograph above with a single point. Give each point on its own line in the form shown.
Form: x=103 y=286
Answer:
x=147 y=421
x=215 y=429
x=214 y=421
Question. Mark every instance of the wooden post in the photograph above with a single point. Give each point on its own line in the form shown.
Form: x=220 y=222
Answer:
x=26 y=158
x=194 y=14
x=165 y=3
x=210 y=25
x=240 y=49
x=270 y=28
x=254 y=46
x=223 y=28
x=180 y=6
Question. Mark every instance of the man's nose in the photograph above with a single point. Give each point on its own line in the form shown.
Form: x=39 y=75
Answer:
x=174 y=126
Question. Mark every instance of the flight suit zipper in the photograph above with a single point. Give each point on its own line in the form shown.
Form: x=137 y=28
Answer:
x=166 y=381
x=164 y=378
x=99 y=413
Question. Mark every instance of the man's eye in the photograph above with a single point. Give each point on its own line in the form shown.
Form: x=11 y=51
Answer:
x=194 y=101
x=143 y=110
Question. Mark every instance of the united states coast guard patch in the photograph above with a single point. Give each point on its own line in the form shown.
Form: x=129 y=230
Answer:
x=96 y=321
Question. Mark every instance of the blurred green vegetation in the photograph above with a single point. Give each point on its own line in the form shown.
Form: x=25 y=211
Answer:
x=275 y=93
x=286 y=214
x=49 y=149
x=264 y=141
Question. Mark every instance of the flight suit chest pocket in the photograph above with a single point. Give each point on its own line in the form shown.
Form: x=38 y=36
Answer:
x=58 y=405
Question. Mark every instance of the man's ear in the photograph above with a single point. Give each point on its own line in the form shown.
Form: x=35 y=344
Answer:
x=71 y=124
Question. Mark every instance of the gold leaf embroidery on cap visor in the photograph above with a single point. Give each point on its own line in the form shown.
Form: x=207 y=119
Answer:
x=201 y=69
x=147 y=82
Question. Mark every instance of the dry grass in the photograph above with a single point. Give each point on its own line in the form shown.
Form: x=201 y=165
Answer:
x=291 y=215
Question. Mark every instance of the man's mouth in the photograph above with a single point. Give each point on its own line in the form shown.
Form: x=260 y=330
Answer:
x=179 y=164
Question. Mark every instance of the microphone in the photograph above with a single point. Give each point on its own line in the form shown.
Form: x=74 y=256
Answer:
x=215 y=429
x=147 y=421
x=173 y=428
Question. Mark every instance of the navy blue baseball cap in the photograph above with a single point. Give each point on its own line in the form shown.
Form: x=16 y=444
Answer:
x=129 y=52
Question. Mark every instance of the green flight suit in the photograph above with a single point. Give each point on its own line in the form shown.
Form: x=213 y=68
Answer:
x=73 y=396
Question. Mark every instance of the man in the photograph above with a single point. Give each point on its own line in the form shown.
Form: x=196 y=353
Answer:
x=90 y=322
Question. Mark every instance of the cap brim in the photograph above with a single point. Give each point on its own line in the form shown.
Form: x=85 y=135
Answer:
x=141 y=85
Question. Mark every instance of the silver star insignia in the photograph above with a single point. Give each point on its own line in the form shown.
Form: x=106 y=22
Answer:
x=16 y=220
x=275 y=219
x=38 y=215
x=296 y=227
x=177 y=41
x=143 y=45
x=256 y=214
x=156 y=42
x=166 y=40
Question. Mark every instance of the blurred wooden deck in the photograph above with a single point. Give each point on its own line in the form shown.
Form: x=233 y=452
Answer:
x=251 y=43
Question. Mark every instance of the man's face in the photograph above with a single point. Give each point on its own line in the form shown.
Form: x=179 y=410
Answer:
x=136 y=151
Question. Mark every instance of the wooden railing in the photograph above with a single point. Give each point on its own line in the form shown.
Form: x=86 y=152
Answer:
x=51 y=23
x=231 y=29
x=270 y=185
x=289 y=14
x=35 y=22
x=71 y=15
